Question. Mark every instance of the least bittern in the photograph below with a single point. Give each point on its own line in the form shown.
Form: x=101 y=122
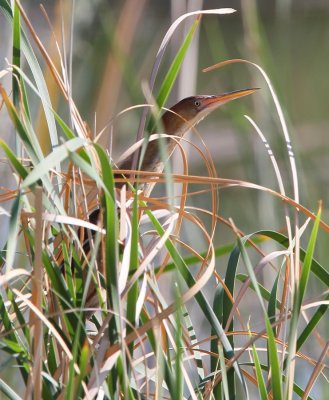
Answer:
x=176 y=122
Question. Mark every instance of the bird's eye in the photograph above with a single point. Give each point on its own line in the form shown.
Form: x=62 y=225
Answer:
x=197 y=103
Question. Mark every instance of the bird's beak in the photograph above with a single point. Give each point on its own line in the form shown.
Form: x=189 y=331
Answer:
x=213 y=102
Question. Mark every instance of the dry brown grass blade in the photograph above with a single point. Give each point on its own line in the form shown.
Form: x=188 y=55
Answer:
x=190 y=179
x=316 y=372
x=145 y=176
x=226 y=62
x=9 y=194
x=206 y=157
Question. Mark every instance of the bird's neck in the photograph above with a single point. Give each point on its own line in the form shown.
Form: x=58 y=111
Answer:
x=174 y=124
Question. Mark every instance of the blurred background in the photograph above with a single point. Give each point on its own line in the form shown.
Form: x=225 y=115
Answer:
x=113 y=46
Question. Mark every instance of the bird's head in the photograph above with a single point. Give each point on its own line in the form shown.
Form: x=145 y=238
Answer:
x=191 y=110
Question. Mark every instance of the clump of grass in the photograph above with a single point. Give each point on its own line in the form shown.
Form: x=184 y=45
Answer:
x=134 y=340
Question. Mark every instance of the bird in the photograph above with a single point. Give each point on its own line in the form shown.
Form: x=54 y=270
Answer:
x=176 y=121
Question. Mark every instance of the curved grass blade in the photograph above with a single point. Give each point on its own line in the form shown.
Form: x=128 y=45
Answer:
x=174 y=68
x=318 y=270
x=159 y=57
